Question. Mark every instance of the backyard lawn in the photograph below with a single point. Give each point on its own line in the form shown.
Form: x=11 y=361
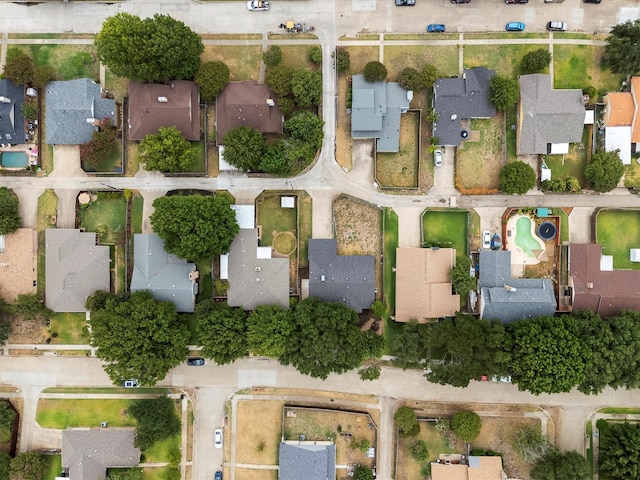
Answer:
x=274 y=219
x=504 y=59
x=136 y=213
x=632 y=174
x=160 y=451
x=68 y=328
x=117 y=85
x=45 y=218
x=573 y=163
x=400 y=170
x=390 y=226
x=579 y=66
x=63 y=413
x=305 y=219
x=54 y=467
x=618 y=231
x=446 y=226
x=397 y=58
x=479 y=159
x=410 y=469
x=511 y=123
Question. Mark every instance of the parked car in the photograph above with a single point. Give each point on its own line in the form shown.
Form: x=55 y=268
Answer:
x=132 y=383
x=486 y=239
x=592 y=1
x=437 y=158
x=510 y=2
x=460 y=1
x=405 y=3
x=496 y=242
x=515 y=26
x=553 y=1
x=258 y=5
x=195 y=361
x=436 y=28
x=557 y=26
x=217 y=438
x=218 y=475
x=502 y=379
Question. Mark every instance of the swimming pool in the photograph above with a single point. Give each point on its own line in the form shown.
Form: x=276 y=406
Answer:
x=525 y=239
x=14 y=159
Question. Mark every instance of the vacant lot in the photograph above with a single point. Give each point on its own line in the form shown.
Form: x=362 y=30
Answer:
x=444 y=58
x=478 y=163
x=579 y=66
x=343 y=126
x=389 y=291
x=400 y=170
x=260 y=424
x=618 y=231
x=243 y=60
x=410 y=469
x=504 y=59
x=358 y=227
x=446 y=226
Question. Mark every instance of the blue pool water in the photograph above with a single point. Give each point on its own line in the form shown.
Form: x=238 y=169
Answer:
x=14 y=159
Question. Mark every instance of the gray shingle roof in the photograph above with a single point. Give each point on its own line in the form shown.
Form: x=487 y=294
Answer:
x=457 y=99
x=349 y=279
x=255 y=281
x=547 y=116
x=375 y=112
x=11 y=118
x=88 y=452
x=533 y=297
x=166 y=276
x=306 y=461
x=75 y=268
x=69 y=104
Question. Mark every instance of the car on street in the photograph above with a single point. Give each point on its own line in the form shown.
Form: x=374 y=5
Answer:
x=258 y=5
x=553 y=1
x=405 y=3
x=460 y=1
x=218 y=475
x=486 y=239
x=195 y=361
x=557 y=26
x=437 y=158
x=515 y=27
x=436 y=28
x=592 y=1
x=217 y=438
x=512 y=2
x=132 y=383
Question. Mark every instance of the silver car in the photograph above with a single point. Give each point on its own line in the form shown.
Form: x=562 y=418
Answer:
x=437 y=158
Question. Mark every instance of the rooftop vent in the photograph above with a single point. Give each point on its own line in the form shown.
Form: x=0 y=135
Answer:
x=163 y=99
x=589 y=285
x=270 y=102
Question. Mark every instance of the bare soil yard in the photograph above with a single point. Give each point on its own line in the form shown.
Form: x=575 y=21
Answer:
x=248 y=474
x=260 y=424
x=343 y=127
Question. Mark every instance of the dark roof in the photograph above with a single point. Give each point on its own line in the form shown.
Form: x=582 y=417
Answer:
x=457 y=99
x=531 y=297
x=75 y=268
x=180 y=107
x=87 y=453
x=307 y=461
x=349 y=279
x=547 y=116
x=70 y=107
x=11 y=118
x=245 y=104
x=605 y=293
x=375 y=112
x=167 y=277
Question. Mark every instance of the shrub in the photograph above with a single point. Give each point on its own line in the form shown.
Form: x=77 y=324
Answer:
x=375 y=72
x=315 y=54
x=98 y=149
x=29 y=110
x=466 y=425
x=211 y=78
x=535 y=61
x=369 y=373
x=343 y=60
x=419 y=451
x=406 y=420
x=273 y=56
x=517 y=177
x=410 y=79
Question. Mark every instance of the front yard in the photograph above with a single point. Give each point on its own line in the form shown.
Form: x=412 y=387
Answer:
x=580 y=66
x=410 y=469
x=618 y=231
x=504 y=59
x=446 y=228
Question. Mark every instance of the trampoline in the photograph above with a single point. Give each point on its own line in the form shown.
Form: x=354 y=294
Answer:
x=547 y=231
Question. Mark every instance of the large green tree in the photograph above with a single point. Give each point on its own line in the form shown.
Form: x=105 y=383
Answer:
x=622 y=51
x=306 y=127
x=517 y=177
x=562 y=466
x=619 y=455
x=269 y=328
x=466 y=425
x=536 y=61
x=155 y=49
x=166 y=151
x=211 y=78
x=28 y=466
x=375 y=71
x=157 y=420
x=278 y=79
x=405 y=420
x=222 y=331
x=243 y=148
x=18 y=67
x=504 y=92
x=306 y=87
x=409 y=346
x=462 y=282
x=195 y=227
x=9 y=215
x=604 y=171
x=326 y=339
x=138 y=338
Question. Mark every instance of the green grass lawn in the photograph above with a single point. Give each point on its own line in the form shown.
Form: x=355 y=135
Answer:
x=571 y=164
x=68 y=61
x=564 y=224
x=113 y=163
x=107 y=216
x=512 y=133
x=408 y=468
x=192 y=324
x=106 y=390
x=632 y=174
x=136 y=213
x=274 y=218
x=579 y=66
x=305 y=219
x=54 y=467
x=69 y=327
x=159 y=452
x=63 y=413
x=390 y=225
x=505 y=59
x=440 y=226
x=45 y=218
x=117 y=85
x=444 y=58
x=197 y=166
x=618 y=231
x=588 y=432
x=205 y=282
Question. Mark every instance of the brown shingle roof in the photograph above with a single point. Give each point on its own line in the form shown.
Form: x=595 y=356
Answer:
x=147 y=114
x=605 y=293
x=245 y=104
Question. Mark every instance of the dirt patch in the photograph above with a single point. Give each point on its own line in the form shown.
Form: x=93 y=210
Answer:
x=320 y=394
x=27 y=332
x=260 y=427
x=251 y=474
x=18 y=264
x=400 y=170
x=343 y=127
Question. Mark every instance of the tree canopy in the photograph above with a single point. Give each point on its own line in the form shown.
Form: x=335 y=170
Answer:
x=466 y=425
x=278 y=79
x=19 y=67
x=138 y=337
x=604 y=171
x=535 y=61
x=375 y=72
x=155 y=49
x=268 y=330
x=622 y=50
x=461 y=280
x=306 y=87
x=504 y=92
x=272 y=56
x=222 y=331
x=211 y=77
x=27 y=466
x=243 y=148
x=409 y=347
x=157 y=420
x=194 y=227
x=342 y=59
x=517 y=177
x=30 y=307
x=405 y=420
x=562 y=466
x=619 y=451
x=9 y=215
x=166 y=151
x=306 y=127
x=410 y=79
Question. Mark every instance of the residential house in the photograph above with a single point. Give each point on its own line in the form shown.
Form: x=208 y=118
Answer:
x=548 y=119
x=348 y=279
x=423 y=284
x=11 y=119
x=88 y=452
x=76 y=267
x=509 y=299
x=596 y=286
x=307 y=460
x=168 y=277
x=255 y=276
x=376 y=108
x=18 y=263
x=621 y=123
x=74 y=110
x=457 y=100
x=154 y=105
x=247 y=104
x=459 y=467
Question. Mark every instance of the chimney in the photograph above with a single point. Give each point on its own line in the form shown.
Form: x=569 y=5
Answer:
x=163 y=99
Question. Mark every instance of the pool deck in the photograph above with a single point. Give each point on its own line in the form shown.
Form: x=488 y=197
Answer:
x=519 y=258
x=26 y=148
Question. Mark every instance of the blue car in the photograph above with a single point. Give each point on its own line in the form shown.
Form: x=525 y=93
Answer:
x=436 y=28
x=515 y=27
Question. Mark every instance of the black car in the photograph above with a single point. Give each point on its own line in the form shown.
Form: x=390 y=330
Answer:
x=405 y=3
x=195 y=361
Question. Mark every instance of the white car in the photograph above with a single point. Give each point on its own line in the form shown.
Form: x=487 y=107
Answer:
x=437 y=158
x=503 y=379
x=217 y=438
x=486 y=239
x=258 y=5
x=131 y=383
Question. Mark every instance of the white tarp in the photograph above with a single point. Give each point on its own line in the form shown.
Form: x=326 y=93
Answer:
x=263 y=253
x=224 y=266
x=606 y=263
x=287 y=202
x=588 y=117
x=619 y=138
x=559 y=148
